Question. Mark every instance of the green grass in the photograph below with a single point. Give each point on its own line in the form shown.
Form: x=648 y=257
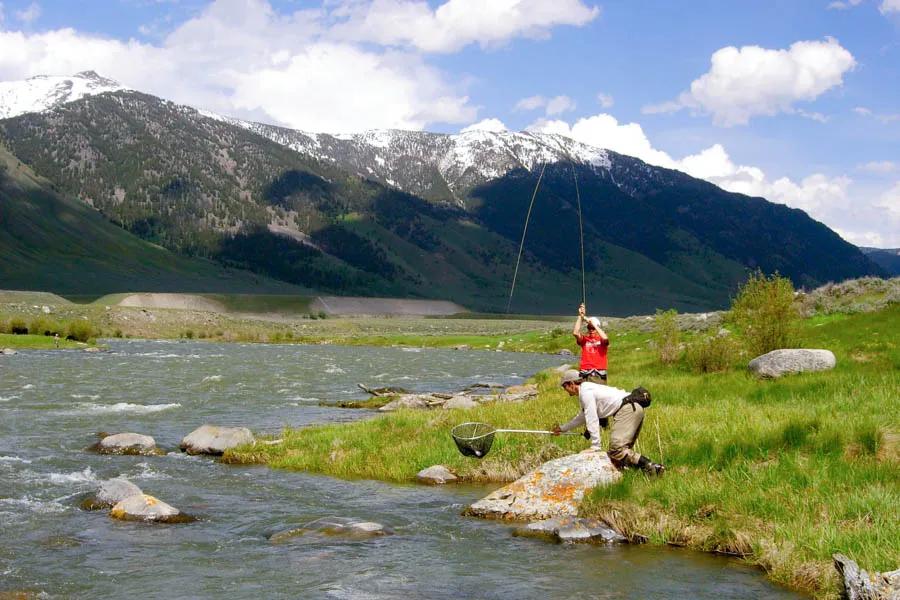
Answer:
x=35 y=342
x=783 y=473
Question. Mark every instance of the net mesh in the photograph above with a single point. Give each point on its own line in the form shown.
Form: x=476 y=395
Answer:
x=473 y=439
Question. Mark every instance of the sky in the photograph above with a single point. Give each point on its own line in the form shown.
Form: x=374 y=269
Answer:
x=795 y=101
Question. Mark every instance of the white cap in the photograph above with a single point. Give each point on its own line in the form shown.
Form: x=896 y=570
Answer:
x=570 y=376
x=594 y=322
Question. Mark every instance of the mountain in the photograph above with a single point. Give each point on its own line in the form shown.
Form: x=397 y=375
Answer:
x=45 y=92
x=887 y=259
x=49 y=242
x=420 y=214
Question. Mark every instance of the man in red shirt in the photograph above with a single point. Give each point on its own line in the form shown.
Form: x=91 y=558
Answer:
x=594 y=348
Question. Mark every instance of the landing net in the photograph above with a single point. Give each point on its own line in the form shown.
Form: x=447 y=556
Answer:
x=473 y=439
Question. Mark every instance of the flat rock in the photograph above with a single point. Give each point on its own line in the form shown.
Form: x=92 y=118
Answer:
x=93 y=349
x=110 y=493
x=133 y=444
x=334 y=526
x=407 y=401
x=553 y=489
x=435 y=475
x=528 y=388
x=463 y=402
x=860 y=585
x=8 y=351
x=215 y=440
x=571 y=529
x=143 y=507
x=782 y=362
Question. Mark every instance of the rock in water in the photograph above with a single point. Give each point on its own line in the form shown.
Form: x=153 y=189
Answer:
x=565 y=352
x=553 y=489
x=859 y=585
x=571 y=529
x=211 y=439
x=435 y=475
x=782 y=362
x=111 y=492
x=142 y=507
x=8 y=351
x=335 y=526
x=128 y=443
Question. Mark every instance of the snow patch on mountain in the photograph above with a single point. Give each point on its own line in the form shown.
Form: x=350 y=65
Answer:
x=45 y=92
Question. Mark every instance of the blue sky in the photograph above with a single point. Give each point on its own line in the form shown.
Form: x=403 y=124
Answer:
x=804 y=110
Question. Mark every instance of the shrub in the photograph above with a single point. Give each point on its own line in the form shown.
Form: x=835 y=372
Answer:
x=45 y=326
x=17 y=326
x=323 y=314
x=189 y=334
x=765 y=313
x=80 y=331
x=667 y=336
x=712 y=353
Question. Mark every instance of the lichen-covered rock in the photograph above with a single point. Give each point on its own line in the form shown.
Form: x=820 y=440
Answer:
x=407 y=401
x=463 y=402
x=334 y=526
x=571 y=529
x=435 y=475
x=111 y=492
x=132 y=444
x=215 y=440
x=553 y=489
x=143 y=507
x=795 y=360
x=860 y=585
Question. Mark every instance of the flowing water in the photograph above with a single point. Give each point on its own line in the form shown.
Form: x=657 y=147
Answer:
x=52 y=403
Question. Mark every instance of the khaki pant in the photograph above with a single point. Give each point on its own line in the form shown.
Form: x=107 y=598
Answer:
x=625 y=430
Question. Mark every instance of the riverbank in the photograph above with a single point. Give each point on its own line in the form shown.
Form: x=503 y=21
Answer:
x=782 y=473
x=38 y=342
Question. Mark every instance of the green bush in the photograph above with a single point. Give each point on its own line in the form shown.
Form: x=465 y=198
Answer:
x=189 y=334
x=667 y=336
x=81 y=331
x=712 y=353
x=45 y=326
x=765 y=313
x=18 y=326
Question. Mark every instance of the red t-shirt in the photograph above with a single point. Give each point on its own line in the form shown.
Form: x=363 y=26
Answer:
x=593 y=351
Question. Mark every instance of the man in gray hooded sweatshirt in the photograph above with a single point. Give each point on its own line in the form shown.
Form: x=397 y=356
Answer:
x=600 y=401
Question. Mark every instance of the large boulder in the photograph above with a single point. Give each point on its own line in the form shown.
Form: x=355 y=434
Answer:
x=463 y=402
x=111 y=492
x=133 y=444
x=215 y=440
x=406 y=401
x=553 y=489
x=435 y=475
x=860 y=585
x=334 y=526
x=571 y=529
x=782 y=362
x=143 y=507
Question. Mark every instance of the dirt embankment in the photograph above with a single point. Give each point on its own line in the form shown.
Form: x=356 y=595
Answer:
x=358 y=306
x=176 y=301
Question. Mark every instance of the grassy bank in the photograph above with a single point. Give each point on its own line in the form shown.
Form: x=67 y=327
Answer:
x=783 y=472
x=36 y=342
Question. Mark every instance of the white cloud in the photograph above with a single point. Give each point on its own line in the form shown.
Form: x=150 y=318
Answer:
x=30 y=14
x=485 y=125
x=530 y=103
x=890 y=201
x=239 y=57
x=455 y=23
x=880 y=166
x=605 y=100
x=889 y=6
x=559 y=104
x=840 y=5
x=883 y=117
x=750 y=81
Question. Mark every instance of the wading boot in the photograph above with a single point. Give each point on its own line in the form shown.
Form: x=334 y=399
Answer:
x=650 y=467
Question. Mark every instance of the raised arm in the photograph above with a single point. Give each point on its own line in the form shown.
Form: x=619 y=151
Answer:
x=576 y=331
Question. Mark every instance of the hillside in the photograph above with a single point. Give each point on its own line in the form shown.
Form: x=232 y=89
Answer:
x=888 y=258
x=415 y=214
x=48 y=242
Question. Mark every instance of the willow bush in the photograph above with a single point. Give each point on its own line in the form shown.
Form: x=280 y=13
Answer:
x=765 y=313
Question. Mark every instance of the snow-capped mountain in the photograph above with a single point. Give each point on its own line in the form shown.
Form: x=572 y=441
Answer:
x=45 y=92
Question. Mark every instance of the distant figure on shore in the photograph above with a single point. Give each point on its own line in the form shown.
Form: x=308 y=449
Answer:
x=594 y=348
x=627 y=413
x=56 y=339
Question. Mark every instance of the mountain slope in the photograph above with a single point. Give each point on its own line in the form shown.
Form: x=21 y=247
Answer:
x=887 y=259
x=45 y=92
x=48 y=242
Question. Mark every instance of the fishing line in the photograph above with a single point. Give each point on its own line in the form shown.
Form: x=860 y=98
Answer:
x=580 y=234
x=522 y=243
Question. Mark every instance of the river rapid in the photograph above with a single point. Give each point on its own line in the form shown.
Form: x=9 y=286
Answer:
x=53 y=403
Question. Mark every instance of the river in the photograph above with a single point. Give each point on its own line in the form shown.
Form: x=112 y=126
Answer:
x=53 y=403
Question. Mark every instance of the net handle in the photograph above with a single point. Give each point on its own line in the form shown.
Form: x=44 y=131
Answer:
x=543 y=431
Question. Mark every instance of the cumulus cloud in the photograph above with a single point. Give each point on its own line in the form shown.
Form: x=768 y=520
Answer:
x=454 y=24
x=889 y=6
x=485 y=125
x=30 y=14
x=830 y=199
x=749 y=81
x=605 y=100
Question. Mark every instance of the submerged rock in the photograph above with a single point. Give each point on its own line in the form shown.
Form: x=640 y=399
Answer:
x=143 y=507
x=133 y=444
x=782 y=362
x=860 y=585
x=571 y=529
x=553 y=489
x=215 y=440
x=565 y=352
x=435 y=475
x=111 y=492
x=334 y=526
